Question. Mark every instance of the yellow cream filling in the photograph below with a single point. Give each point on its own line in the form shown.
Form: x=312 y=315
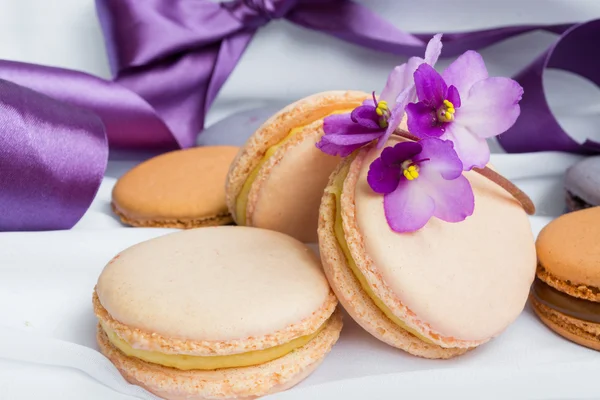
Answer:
x=187 y=362
x=338 y=186
x=241 y=203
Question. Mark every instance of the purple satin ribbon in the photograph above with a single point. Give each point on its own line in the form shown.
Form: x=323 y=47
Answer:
x=537 y=129
x=170 y=58
x=52 y=159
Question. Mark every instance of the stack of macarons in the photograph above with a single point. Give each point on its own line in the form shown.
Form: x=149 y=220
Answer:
x=566 y=293
x=245 y=311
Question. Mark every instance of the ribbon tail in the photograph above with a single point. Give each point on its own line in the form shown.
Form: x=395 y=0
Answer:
x=357 y=24
x=230 y=52
x=128 y=119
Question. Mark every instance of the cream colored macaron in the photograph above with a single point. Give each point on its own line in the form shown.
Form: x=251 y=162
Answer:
x=277 y=179
x=435 y=292
x=216 y=313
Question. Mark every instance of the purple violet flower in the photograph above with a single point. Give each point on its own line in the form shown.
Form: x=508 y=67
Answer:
x=421 y=180
x=465 y=106
x=377 y=119
x=345 y=133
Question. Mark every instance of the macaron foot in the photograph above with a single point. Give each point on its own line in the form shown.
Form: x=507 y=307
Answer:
x=228 y=383
x=578 y=331
x=581 y=291
x=357 y=302
x=217 y=220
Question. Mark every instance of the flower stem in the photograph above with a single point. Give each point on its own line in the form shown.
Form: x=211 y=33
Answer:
x=493 y=176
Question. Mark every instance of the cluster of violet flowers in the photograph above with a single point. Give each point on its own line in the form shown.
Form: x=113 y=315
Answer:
x=452 y=114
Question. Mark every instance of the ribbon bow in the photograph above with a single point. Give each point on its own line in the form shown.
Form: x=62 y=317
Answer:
x=169 y=59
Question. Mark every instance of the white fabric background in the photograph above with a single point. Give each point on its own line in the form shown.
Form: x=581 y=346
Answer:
x=47 y=347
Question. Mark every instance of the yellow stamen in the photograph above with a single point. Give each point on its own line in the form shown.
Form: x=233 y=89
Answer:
x=412 y=172
x=382 y=108
x=446 y=112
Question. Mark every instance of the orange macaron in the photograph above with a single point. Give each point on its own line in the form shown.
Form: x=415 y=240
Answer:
x=566 y=292
x=179 y=189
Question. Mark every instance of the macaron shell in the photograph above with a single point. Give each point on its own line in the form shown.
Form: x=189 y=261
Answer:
x=569 y=251
x=180 y=189
x=581 y=332
x=239 y=383
x=583 y=180
x=286 y=194
x=274 y=130
x=449 y=281
x=355 y=300
x=214 y=291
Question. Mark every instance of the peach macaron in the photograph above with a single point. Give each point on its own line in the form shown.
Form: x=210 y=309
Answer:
x=179 y=189
x=185 y=317
x=436 y=292
x=566 y=293
x=277 y=179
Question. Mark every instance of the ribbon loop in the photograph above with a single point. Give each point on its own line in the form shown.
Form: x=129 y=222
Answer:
x=537 y=129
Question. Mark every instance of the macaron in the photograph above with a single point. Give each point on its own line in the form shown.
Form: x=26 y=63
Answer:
x=179 y=189
x=187 y=317
x=582 y=184
x=566 y=293
x=436 y=292
x=277 y=179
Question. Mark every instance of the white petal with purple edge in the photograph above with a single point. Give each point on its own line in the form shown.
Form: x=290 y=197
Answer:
x=409 y=207
x=491 y=106
x=433 y=49
x=399 y=79
x=472 y=150
x=465 y=71
x=454 y=199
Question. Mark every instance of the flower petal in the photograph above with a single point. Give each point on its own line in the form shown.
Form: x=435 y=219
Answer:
x=422 y=121
x=453 y=96
x=443 y=159
x=341 y=124
x=433 y=49
x=344 y=144
x=408 y=208
x=396 y=155
x=366 y=116
x=454 y=199
x=465 y=71
x=472 y=150
x=396 y=115
x=399 y=79
x=381 y=178
x=431 y=88
x=491 y=106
